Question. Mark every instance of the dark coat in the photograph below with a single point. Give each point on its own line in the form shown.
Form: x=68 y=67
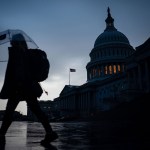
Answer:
x=17 y=77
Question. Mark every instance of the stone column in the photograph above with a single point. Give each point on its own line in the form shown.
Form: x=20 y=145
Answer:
x=112 y=69
x=116 y=68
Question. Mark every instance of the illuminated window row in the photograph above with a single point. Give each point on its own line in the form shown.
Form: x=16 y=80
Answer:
x=105 y=70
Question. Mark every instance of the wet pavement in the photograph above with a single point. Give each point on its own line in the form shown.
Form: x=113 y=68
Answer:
x=72 y=136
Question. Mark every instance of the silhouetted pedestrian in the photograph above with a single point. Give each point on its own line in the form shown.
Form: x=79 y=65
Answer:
x=19 y=86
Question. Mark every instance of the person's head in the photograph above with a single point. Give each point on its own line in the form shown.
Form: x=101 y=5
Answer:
x=18 y=40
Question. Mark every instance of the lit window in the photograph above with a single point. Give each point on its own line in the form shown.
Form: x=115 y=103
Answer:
x=115 y=70
x=119 y=69
x=106 y=71
x=110 y=69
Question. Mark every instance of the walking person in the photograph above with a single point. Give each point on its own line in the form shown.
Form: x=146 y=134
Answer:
x=19 y=86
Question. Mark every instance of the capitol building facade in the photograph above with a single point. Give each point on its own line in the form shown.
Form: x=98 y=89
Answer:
x=116 y=73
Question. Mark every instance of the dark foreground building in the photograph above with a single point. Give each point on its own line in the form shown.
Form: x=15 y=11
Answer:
x=116 y=73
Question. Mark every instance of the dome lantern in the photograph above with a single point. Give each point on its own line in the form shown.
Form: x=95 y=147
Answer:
x=110 y=35
x=109 y=21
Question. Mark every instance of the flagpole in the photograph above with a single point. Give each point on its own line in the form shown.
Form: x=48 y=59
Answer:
x=69 y=76
x=71 y=70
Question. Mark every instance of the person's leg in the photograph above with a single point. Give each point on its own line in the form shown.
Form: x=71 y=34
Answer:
x=33 y=104
x=8 y=116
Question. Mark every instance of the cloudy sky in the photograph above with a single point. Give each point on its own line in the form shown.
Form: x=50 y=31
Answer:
x=67 y=30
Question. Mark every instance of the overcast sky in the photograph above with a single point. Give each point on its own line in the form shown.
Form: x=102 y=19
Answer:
x=67 y=30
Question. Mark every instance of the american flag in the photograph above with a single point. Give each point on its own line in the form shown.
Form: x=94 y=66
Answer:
x=72 y=70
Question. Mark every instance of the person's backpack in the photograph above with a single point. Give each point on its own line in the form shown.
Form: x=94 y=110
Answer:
x=39 y=64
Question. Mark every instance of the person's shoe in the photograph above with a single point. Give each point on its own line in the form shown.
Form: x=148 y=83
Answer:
x=2 y=139
x=49 y=137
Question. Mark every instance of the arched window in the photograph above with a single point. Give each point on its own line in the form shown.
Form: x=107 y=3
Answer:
x=110 y=69
x=115 y=69
x=105 y=70
x=119 y=68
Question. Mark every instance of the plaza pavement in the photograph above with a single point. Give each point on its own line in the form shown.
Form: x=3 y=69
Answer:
x=72 y=136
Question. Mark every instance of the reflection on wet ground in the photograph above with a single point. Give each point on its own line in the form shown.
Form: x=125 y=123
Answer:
x=73 y=136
